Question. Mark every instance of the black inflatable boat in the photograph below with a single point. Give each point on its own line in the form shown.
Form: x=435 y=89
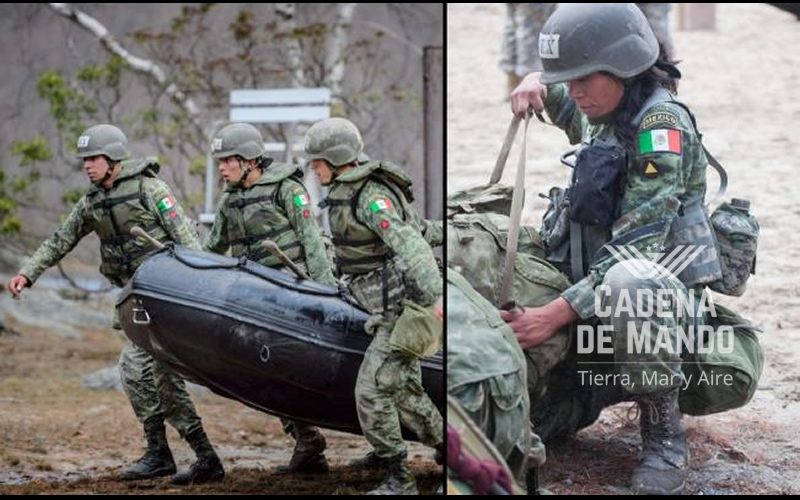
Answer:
x=262 y=337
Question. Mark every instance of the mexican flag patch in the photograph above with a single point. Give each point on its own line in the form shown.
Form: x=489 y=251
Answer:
x=301 y=200
x=165 y=203
x=378 y=205
x=660 y=140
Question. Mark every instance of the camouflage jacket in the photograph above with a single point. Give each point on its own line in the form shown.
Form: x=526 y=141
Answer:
x=277 y=207
x=657 y=181
x=372 y=223
x=137 y=198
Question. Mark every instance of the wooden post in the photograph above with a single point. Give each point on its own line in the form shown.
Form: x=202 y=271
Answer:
x=696 y=16
x=433 y=83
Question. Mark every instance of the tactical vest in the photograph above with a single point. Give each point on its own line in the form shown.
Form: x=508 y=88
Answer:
x=358 y=249
x=587 y=235
x=586 y=242
x=256 y=214
x=112 y=214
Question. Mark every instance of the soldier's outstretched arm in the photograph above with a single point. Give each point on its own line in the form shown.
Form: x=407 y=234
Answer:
x=380 y=210
x=17 y=284
x=174 y=221
x=54 y=248
x=297 y=204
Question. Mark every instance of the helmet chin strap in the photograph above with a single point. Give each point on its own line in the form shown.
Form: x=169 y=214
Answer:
x=245 y=172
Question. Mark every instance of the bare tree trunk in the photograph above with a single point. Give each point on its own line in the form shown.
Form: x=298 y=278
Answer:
x=292 y=51
x=137 y=64
x=338 y=42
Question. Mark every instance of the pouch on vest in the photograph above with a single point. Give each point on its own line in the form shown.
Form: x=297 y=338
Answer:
x=555 y=224
x=692 y=246
x=735 y=231
x=737 y=238
x=417 y=332
x=595 y=189
x=378 y=291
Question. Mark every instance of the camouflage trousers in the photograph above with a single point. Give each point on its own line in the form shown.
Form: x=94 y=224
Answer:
x=389 y=393
x=520 y=50
x=570 y=401
x=652 y=369
x=156 y=394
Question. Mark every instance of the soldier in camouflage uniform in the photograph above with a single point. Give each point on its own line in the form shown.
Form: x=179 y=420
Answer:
x=519 y=54
x=618 y=101
x=127 y=193
x=383 y=251
x=267 y=201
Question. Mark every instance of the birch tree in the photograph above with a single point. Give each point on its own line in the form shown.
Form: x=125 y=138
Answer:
x=180 y=78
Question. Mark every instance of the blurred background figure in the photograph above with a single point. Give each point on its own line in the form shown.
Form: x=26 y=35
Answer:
x=657 y=15
x=520 y=50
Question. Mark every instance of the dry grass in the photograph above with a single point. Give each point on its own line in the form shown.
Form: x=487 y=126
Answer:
x=58 y=438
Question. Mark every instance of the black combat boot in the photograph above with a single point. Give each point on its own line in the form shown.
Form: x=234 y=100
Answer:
x=309 y=448
x=400 y=480
x=206 y=468
x=665 y=454
x=157 y=460
x=368 y=461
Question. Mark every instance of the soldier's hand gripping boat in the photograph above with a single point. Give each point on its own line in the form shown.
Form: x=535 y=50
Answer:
x=279 y=344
